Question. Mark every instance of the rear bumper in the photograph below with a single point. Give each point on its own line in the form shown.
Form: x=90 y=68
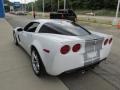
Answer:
x=64 y=63
x=57 y=71
x=86 y=66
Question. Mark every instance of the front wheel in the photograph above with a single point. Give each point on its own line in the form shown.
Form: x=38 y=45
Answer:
x=15 y=38
x=37 y=64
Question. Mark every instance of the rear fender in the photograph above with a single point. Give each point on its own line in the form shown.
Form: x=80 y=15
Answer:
x=39 y=48
x=106 y=36
x=104 y=52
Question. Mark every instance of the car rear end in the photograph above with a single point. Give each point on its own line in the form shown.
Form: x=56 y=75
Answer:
x=73 y=47
x=80 y=53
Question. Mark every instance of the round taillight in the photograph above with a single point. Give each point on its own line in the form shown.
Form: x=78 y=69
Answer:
x=105 y=42
x=65 y=49
x=76 y=47
x=110 y=41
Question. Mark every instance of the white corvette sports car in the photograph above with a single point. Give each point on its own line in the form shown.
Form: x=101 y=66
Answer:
x=58 y=46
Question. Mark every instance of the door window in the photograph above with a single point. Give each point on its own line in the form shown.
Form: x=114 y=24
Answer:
x=31 y=27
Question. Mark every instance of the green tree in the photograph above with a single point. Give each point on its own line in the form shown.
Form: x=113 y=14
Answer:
x=77 y=4
x=7 y=5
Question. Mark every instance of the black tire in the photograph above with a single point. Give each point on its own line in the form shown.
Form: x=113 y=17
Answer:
x=37 y=64
x=15 y=38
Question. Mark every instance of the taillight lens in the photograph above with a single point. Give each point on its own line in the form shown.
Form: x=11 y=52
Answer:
x=110 y=41
x=65 y=49
x=76 y=47
x=105 y=42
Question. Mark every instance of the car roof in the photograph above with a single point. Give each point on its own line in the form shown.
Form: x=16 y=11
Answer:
x=66 y=26
x=57 y=21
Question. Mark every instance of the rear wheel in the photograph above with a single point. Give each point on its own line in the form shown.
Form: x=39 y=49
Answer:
x=37 y=64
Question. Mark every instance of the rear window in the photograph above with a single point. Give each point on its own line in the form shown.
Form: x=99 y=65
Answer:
x=66 y=28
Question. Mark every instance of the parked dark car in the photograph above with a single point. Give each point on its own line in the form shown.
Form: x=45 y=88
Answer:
x=64 y=14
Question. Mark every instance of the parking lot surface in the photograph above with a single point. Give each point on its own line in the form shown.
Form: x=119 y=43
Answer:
x=15 y=64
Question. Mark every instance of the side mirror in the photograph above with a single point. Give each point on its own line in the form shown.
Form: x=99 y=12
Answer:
x=20 y=29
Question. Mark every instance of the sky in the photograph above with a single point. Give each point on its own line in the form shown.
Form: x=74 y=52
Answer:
x=22 y=1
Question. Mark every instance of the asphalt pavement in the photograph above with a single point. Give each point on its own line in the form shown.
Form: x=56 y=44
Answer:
x=104 y=77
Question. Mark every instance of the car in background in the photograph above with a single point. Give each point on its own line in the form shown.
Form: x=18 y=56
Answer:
x=58 y=46
x=21 y=12
x=12 y=12
x=64 y=14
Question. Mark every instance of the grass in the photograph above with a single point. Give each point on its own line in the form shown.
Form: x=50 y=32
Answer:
x=98 y=12
x=110 y=13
